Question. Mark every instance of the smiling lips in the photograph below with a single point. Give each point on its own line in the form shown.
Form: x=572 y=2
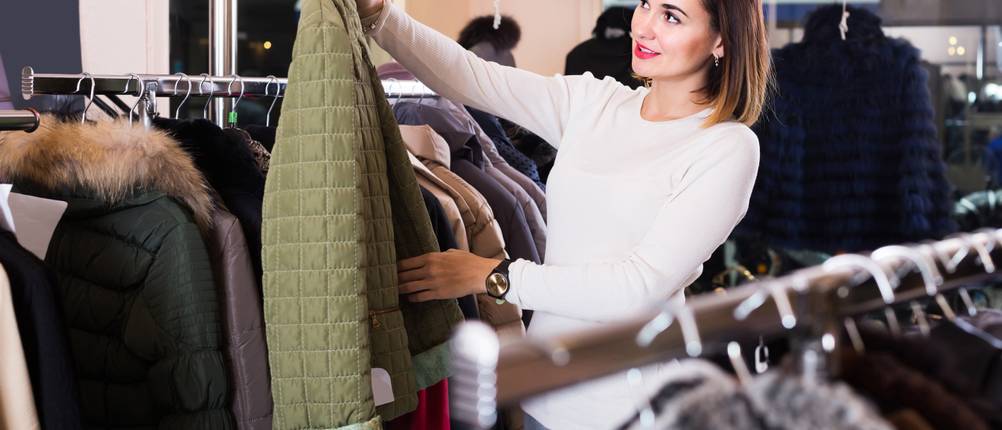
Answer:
x=643 y=53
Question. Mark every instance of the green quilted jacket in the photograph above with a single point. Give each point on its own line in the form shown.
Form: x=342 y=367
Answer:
x=134 y=275
x=341 y=207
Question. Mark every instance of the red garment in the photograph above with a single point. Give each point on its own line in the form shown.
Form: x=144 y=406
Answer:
x=432 y=412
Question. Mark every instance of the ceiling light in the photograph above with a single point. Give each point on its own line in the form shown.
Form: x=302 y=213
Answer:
x=267 y=44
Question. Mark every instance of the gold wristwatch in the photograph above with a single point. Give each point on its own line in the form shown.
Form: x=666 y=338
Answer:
x=497 y=282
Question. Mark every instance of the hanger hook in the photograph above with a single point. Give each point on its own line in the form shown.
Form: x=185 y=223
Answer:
x=232 y=118
x=205 y=108
x=177 y=112
x=950 y=262
x=930 y=274
x=278 y=93
x=843 y=25
x=738 y=362
x=140 y=93
x=930 y=277
x=395 y=83
x=984 y=252
x=90 y=101
x=236 y=78
x=778 y=293
x=664 y=319
x=856 y=261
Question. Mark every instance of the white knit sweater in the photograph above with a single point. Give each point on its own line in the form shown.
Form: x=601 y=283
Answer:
x=635 y=207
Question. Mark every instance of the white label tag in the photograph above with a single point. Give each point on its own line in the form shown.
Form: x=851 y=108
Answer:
x=6 y=217
x=382 y=388
x=35 y=219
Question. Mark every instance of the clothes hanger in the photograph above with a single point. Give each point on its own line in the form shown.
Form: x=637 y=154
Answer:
x=868 y=265
x=913 y=259
x=664 y=319
x=177 y=112
x=738 y=363
x=205 y=108
x=786 y=315
x=90 y=101
x=843 y=26
x=278 y=92
x=140 y=93
x=232 y=118
x=497 y=14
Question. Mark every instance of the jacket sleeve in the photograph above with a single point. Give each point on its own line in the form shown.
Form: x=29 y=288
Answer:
x=540 y=104
x=925 y=193
x=710 y=200
x=183 y=303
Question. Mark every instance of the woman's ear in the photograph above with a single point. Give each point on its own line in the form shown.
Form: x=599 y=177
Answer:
x=718 y=47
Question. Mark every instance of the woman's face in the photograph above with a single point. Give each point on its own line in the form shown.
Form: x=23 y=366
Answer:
x=673 y=39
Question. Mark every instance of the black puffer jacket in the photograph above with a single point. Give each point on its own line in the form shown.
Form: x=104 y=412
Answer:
x=134 y=274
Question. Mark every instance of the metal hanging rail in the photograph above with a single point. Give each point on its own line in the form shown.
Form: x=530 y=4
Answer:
x=819 y=299
x=33 y=84
x=25 y=120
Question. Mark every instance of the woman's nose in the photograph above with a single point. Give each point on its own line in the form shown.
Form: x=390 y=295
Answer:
x=641 y=29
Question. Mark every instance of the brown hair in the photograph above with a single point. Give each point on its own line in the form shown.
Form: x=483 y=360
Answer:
x=738 y=88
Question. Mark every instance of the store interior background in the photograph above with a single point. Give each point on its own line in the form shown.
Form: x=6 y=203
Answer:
x=962 y=39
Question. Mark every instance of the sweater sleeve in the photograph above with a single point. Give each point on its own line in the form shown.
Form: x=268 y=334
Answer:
x=540 y=104
x=710 y=200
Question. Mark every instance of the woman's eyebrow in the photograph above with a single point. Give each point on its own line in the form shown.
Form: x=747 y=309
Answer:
x=670 y=6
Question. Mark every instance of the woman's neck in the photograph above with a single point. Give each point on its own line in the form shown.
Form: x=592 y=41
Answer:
x=669 y=100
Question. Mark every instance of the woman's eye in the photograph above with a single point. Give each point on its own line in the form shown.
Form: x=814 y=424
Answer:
x=645 y=4
x=671 y=19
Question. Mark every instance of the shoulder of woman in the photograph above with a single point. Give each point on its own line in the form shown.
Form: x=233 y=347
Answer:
x=732 y=135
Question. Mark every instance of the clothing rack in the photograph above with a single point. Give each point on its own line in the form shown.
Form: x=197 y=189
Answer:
x=178 y=85
x=26 y=120
x=812 y=305
x=162 y=85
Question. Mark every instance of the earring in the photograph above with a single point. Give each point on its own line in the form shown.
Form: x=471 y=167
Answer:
x=716 y=60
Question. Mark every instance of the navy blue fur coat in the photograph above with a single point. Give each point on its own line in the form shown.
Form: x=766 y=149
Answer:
x=850 y=157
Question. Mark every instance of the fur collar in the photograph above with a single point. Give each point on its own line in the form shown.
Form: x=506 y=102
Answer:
x=109 y=161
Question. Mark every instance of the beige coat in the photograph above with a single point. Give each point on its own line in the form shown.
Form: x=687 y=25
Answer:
x=484 y=233
x=457 y=211
x=17 y=406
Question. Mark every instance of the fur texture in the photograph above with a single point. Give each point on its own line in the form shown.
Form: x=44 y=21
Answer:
x=109 y=161
x=481 y=29
x=850 y=157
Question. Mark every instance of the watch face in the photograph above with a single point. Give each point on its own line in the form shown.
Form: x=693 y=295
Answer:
x=498 y=284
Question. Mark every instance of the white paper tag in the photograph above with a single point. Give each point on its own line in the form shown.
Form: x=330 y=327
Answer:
x=6 y=218
x=35 y=220
x=382 y=388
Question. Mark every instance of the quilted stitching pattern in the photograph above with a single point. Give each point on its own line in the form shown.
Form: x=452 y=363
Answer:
x=333 y=232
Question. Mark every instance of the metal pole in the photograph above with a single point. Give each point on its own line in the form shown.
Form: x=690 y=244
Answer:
x=222 y=50
x=26 y=120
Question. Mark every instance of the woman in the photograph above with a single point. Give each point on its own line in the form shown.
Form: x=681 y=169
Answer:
x=647 y=182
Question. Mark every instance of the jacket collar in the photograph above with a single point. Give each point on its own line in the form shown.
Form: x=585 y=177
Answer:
x=110 y=162
x=424 y=143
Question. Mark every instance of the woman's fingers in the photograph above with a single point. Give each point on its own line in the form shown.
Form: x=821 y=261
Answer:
x=414 y=287
x=413 y=263
x=412 y=275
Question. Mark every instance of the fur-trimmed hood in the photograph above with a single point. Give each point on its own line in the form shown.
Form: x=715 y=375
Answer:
x=110 y=161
